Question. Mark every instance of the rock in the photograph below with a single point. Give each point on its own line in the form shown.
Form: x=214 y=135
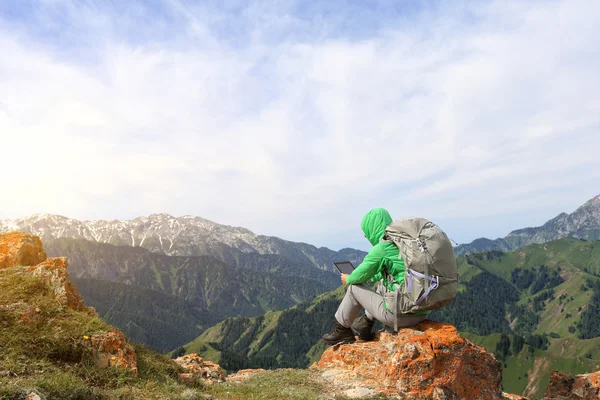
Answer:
x=53 y=271
x=21 y=249
x=243 y=375
x=507 y=396
x=428 y=361
x=198 y=370
x=18 y=248
x=112 y=349
x=33 y=394
x=565 y=387
x=359 y=393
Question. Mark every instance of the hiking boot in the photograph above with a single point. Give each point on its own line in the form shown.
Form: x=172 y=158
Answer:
x=363 y=327
x=339 y=334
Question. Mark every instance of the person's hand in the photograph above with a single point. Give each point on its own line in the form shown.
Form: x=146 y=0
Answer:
x=344 y=276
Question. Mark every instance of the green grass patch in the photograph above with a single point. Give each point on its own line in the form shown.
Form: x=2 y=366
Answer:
x=284 y=384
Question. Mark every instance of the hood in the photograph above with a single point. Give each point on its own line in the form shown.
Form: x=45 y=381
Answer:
x=374 y=223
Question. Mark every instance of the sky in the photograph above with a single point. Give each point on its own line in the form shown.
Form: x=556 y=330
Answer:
x=294 y=118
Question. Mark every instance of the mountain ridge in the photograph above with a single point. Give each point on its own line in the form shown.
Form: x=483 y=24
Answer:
x=583 y=223
x=178 y=236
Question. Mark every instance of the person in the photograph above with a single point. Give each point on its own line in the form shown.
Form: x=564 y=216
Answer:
x=383 y=256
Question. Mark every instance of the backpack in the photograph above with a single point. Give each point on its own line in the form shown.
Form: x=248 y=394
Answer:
x=430 y=277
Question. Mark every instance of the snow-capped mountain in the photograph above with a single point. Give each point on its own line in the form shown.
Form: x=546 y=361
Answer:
x=179 y=236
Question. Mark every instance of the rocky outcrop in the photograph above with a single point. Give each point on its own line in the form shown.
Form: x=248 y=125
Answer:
x=53 y=271
x=565 y=387
x=428 y=361
x=198 y=370
x=112 y=349
x=25 y=255
x=20 y=249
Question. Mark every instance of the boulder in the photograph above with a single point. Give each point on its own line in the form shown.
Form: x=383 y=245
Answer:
x=563 y=386
x=18 y=248
x=198 y=370
x=112 y=349
x=428 y=361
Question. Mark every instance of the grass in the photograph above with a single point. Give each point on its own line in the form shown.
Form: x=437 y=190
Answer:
x=282 y=384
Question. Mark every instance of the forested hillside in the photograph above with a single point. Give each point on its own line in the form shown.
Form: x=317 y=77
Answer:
x=275 y=340
x=152 y=317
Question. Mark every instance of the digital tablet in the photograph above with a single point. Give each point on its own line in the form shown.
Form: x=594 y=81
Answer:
x=345 y=267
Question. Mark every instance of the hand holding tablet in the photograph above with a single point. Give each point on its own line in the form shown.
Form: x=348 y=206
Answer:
x=345 y=267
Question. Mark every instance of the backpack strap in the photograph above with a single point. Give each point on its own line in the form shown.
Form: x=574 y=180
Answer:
x=390 y=278
x=434 y=283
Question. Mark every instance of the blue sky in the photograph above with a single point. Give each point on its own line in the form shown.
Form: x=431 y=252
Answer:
x=294 y=118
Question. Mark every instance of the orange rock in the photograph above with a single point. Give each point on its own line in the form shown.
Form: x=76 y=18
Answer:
x=507 y=396
x=564 y=387
x=243 y=375
x=112 y=349
x=53 y=271
x=198 y=370
x=428 y=361
x=18 y=248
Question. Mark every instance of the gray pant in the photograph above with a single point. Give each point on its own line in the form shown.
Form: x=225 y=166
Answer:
x=359 y=296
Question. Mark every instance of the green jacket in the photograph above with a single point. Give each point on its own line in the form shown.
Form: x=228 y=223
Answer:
x=383 y=255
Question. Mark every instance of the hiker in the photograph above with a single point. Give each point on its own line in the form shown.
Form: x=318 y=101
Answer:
x=384 y=256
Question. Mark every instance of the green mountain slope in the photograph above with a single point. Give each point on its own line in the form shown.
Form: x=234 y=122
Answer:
x=275 y=340
x=527 y=370
x=544 y=297
x=583 y=223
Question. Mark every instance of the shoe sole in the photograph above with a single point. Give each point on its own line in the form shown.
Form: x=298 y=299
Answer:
x=357 y=334
x=339 y=342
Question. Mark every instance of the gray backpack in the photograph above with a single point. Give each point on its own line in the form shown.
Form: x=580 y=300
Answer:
x=430 y=277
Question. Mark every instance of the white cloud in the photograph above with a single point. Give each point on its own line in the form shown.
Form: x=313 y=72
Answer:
x=298 y=136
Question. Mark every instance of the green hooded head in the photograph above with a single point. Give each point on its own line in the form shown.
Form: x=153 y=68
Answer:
x=374 y=223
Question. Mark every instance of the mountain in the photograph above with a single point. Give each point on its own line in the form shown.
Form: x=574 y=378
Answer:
x=583 y=223
x=544 y=299
x=150 y=317
x=164 y=301
x=119 y=263
x=277 y=339
x=179 y=236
